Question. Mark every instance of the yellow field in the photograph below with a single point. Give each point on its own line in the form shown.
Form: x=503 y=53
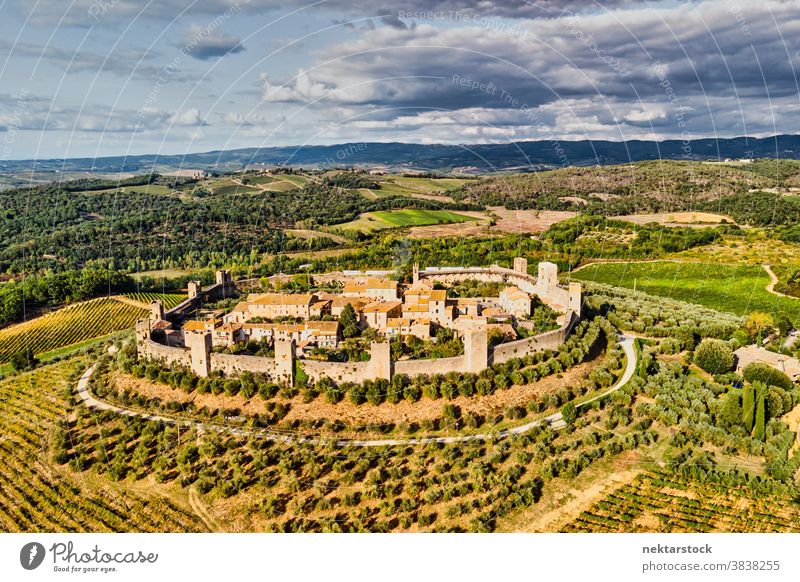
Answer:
x=67 y=326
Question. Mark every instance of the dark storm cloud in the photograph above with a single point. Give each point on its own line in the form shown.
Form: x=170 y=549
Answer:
x=208 y=45
x=654 y=64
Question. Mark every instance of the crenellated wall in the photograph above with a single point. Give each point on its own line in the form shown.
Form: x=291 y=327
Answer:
x=338 y=371
x=413 y=368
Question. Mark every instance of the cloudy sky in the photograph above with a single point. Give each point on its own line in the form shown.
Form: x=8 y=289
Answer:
x=83 y=78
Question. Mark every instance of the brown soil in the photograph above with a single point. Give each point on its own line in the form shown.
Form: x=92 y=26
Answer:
x=513 y=221
x=564 y=499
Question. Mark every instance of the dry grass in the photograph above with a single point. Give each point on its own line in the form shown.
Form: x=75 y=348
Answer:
x=699 y=219
x=360 y=415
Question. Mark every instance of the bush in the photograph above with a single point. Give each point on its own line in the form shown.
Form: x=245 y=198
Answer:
x=569 y=413
x=760 y=372
x=714 y=356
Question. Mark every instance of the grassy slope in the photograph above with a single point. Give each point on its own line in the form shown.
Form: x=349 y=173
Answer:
x=371 y=221
x=737 y=289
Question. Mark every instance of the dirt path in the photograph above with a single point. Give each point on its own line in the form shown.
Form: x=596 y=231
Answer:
x=773 y=280
x=554 y=421
x=129 y=301
x=568 y=504
x=200 y=509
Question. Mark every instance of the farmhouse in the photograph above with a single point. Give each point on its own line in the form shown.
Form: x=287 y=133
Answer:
x=377 y=289
x=751 y=354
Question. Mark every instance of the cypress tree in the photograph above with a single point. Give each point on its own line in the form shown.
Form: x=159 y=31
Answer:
x=761 y=420
x=748 y=406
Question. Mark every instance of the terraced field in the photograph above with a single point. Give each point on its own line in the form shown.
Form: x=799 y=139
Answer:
x=169 y=300
x=69 y=325
x=656 y=502
x=37 y=496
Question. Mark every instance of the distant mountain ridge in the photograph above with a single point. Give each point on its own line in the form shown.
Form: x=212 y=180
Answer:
x=476 y=158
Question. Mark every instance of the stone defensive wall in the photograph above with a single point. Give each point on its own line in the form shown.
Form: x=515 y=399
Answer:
x=549 y=340
x=545 y=286
x=478 y=355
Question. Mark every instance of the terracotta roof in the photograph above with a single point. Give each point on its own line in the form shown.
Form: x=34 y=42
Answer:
x=282 y=299
x=229 y=327
x=370 y=284
x=324 y=327
x=429 y=294
x=514 y=293
x=289 y=327
x=405 y=322
x=494 y=312
x=340 y=301
x=194 y=325
x=421 y=308
x=269 y=326
x=382 y=306
x=241 y=307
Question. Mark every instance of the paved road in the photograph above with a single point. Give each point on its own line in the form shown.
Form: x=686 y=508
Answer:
x=555 y=421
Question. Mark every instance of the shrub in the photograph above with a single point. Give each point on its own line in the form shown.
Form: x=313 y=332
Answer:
x=714 y=356
x=760 y=372
x=569 y=413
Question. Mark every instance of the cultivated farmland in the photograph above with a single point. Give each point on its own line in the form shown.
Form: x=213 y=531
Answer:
x=67 y=326
x=38 y=496
x=372 y=221
x=675 y=503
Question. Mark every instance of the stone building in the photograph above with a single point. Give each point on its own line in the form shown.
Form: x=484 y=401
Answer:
x=377 y=313
x=515 y=301
x=272 y=305
x=375 y=289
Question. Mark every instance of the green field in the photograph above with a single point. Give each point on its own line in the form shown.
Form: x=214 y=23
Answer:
x=384 y=219
x=737 y=289
x=67 y=326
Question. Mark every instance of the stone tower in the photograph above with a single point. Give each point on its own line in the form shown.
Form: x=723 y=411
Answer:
x=548 y=276
x=199 y=342
x=223 y=278
x=285 y=351
x=476 y=350
x=142 y=337
x=156 y=310
x=380 y=360
x=195 y=289
x=575 y=290
x=521 y=265
x=415 y=273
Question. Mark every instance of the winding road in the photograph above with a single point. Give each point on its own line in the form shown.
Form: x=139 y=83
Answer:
x=555 y=421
